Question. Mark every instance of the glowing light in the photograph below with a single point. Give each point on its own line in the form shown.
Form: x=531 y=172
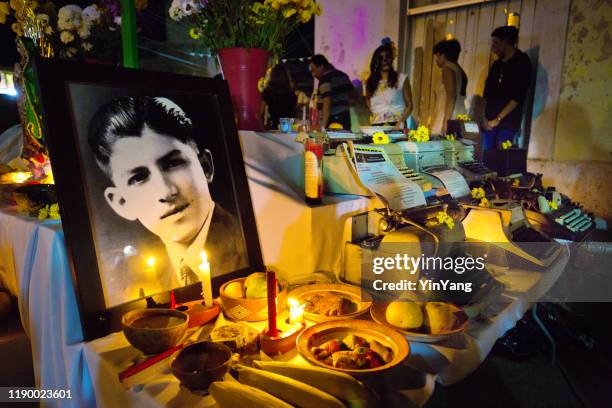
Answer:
x=296 y=311
x=449 y=36
x=204 y=272
x=129 y=250
x=151 y=261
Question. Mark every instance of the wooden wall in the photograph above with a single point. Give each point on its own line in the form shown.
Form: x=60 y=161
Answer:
x=543 y=27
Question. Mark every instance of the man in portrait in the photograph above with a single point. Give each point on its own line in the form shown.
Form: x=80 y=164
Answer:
x=159 y=177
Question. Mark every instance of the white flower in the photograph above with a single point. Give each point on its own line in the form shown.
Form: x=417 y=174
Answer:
x=42 y=19
x=66 y=37
x=117 y=20
x=180 y=9
x=91 y=14
x=84 y=30
x=69 y=17
x=87 y=46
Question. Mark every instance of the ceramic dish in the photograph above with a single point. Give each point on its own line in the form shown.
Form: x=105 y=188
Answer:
x=379 y=309
x=320 y=333
x=360 y=305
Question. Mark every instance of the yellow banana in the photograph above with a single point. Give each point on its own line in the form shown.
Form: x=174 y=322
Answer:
x=289 y=390
x=233 y=394
x=340 y=385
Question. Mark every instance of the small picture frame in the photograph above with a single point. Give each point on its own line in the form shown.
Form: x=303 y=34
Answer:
x=149 y=174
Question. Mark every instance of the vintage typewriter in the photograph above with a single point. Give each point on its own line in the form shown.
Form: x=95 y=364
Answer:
x=510 y=236
x=396 y=155
x=385 y=233
x=429 y=158
x=567 y=221
x=464 y=156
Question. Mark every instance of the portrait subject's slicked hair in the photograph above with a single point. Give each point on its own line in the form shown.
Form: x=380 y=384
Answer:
x=127 y=117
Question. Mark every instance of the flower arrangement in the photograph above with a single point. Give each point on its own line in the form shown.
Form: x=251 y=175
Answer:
x=440 y=218
x=478 y=193
x=219 y=24
x=49 y=211
x=419 y=135
x=71 y=32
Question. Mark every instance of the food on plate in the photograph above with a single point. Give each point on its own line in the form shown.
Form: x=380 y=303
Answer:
x=235 y=289
x=405 y=315
x=292 y=391
x=329 y=304
x=353 y=352
x=236 y=336
x=341 y=385
x=440 y=317
x=256 y=286
x=229 y=394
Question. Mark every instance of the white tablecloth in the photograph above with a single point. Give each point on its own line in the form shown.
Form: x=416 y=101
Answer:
x=295 y=239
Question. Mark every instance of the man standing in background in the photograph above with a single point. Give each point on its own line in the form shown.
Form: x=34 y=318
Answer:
x=505 y=89
x=335 y=92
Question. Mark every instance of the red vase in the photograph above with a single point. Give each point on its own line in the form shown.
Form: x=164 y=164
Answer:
x=242 y=68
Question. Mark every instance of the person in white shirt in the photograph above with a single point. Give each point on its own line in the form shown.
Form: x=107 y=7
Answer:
x=387 y=92
x=146 y=147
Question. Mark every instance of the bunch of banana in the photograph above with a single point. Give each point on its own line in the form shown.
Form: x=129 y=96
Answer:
x=294 y=392
x=232 y=394
x=340 y=385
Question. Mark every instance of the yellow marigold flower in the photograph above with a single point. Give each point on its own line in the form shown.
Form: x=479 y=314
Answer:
x=478 y=193
x=54 y=211
x=305 y=16
x=506 y=145
x=289 y=12
x=553 y=205
x=484 y=202
x=380 y=138
x=43 y=213
x=4 y=11
x=16 y=27
x=195 y=33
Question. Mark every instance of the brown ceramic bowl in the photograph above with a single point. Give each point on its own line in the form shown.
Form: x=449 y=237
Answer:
x=199 y=364
x=154 y=330
x=245 y=309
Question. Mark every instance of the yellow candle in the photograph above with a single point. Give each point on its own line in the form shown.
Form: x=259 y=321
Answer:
x=204 y=272
x=296 y=311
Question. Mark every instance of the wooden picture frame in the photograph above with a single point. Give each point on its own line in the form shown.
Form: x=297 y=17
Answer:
x=105 y=216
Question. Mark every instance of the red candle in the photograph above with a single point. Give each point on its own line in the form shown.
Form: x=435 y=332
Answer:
x=172 y=300
x=271 y=284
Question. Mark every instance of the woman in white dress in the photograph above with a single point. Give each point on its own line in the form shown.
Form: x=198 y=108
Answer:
x=387 y=92
x=450 y=91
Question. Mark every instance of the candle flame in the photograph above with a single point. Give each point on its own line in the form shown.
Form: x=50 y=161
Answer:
x=204 y=258
x=296 y=310
x=151 y=261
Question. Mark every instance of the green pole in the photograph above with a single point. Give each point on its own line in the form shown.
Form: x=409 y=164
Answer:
x=128 y=33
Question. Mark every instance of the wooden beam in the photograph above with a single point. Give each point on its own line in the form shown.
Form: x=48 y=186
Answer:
x=447 y=5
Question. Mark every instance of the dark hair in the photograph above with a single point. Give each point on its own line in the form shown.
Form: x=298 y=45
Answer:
x=320 y=60
x=509 y=33
x=127 y=116
x=449 y=48
x=376 y=69
x=280 y=79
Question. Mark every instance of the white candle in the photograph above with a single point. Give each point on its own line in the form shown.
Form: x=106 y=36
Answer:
x=204 y=272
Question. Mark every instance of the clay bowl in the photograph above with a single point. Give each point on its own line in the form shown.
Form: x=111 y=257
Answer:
x=199 y=364
x=248 y=310
x=154 y=330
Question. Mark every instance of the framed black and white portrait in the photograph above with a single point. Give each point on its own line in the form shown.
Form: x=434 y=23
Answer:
x=150 y=178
